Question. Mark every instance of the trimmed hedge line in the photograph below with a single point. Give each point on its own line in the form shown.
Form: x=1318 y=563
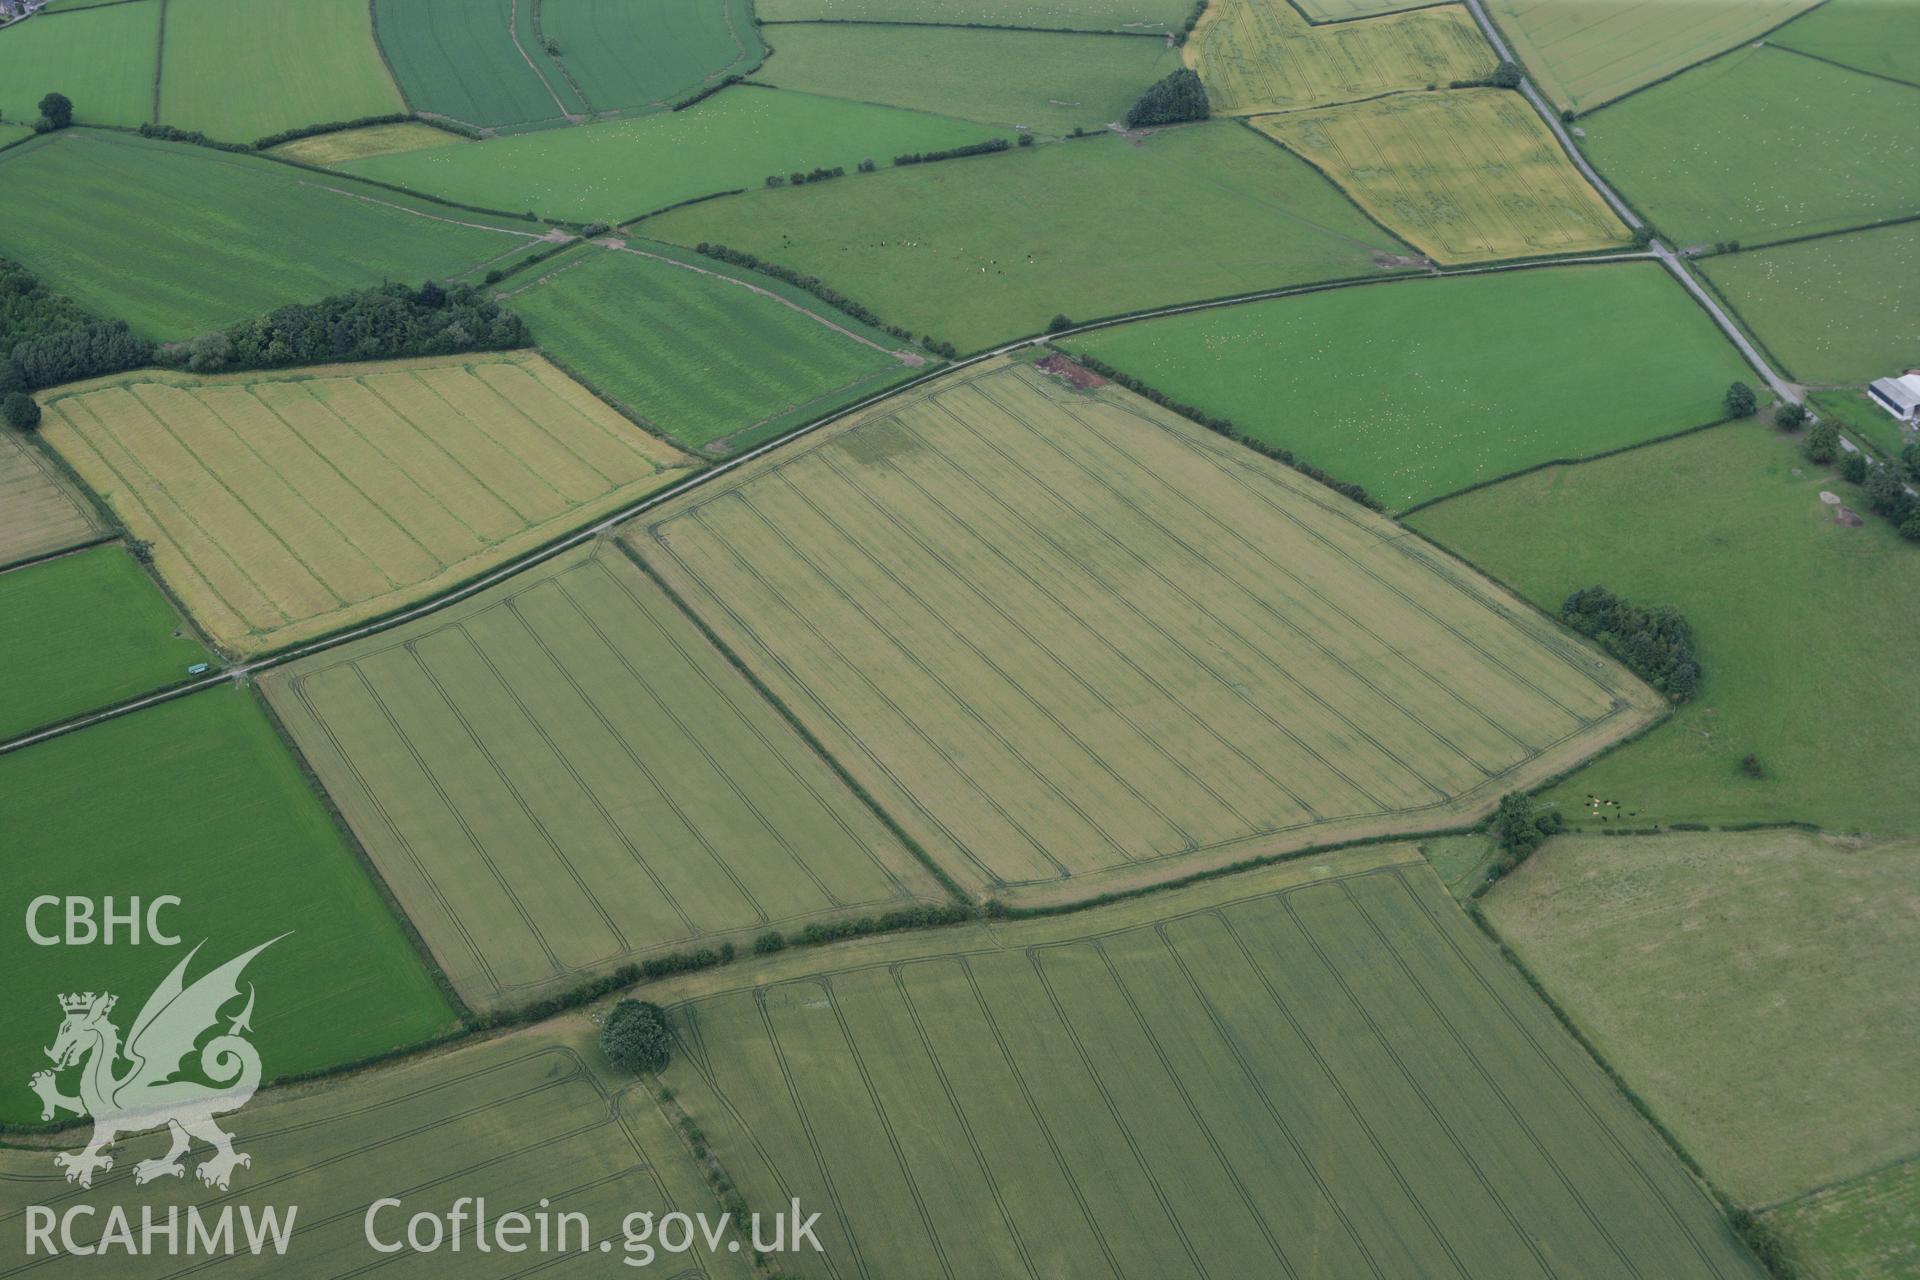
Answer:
x=812 y=284
x=1225 y=427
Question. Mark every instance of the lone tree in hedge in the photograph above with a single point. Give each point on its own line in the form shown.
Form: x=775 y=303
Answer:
x=1741 y=401
x=1790 y=417
x=20 y=411
x=1506 y=76
x=635 y=1037
x=1822 y=443
x=1059 y=324
x=56 y=109
x=1179 y=97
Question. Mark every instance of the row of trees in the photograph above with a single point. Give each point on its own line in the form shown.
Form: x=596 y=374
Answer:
x=812 y=284
x=1656 y=644
x=1222 y=426
x=1886 y=484
x=382 y=323
x=46 y=338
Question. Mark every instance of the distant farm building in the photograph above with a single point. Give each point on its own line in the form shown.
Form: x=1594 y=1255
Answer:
x=1898 y=396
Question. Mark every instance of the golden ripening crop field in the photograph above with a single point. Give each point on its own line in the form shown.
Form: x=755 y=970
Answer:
x=285 y=506
x=1261 y=55
x=1469 y=175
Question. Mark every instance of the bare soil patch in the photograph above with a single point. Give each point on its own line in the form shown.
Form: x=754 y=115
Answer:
x=1073 y=374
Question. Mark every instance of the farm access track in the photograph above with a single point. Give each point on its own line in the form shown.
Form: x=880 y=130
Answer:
x=242 y=671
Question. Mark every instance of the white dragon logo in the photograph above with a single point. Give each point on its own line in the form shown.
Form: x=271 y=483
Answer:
x=147 y=1096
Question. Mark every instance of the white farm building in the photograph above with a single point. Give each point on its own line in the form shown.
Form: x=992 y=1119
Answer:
x=1898 y=396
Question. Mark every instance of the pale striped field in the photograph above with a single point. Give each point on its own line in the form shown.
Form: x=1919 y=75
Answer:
x=39 y=510
x=1075 y=644
x=283 y=507
x=561 y=774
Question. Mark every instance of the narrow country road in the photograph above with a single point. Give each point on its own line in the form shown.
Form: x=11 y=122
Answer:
x=1780 y=387
x=1552 y=117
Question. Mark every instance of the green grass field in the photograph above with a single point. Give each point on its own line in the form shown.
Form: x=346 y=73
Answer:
x=1458 y=376
x=199 y=799
x=979 y=251
x=1801 y=624
x=1585 y=53
x=286 y=505
x=1864 y=419
x=1147 y=16
x=1837 y=309
x=465 y=59
x=1796 y=942
x=1316 y=1070
x=241 y=69
x=1871 y=35
x=40 y=510
x=1050 y=83
x=537 y=1115
x=1075 y=644
x=562 y=775
x=1761 y=145
x=622 y=55
x=1868 y=1229
x=85 y=631
x=620 y=169
x=1466 y=175
x=103 y=59
x=1263 y=55
x=181 y=239
x=711 y=357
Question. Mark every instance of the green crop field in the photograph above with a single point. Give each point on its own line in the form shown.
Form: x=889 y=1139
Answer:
x=710 y=357
x=468 y=60
x=1315 y=1070
x=241 y=69
x=1051 y=83
x=620 y=169
x=535 y=1116
x=285 y=506
x=1075 y=644
x=1868 y=1229
x=40 y=511
x=1466 y=175
x=1262 y=55
x=1870 y=35
x=1797 y=942
x=1798 y=620
x=199 y=799
x=84 y=631
x=1836 y=309
x=1761 y=145
x=621 y=55
x=216 y=237
x=358 y=144
x=1585 y=53
x=978 y=251
x=562 y=774
x=1148 y=16
x=1458 y=372
x=103 y=59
